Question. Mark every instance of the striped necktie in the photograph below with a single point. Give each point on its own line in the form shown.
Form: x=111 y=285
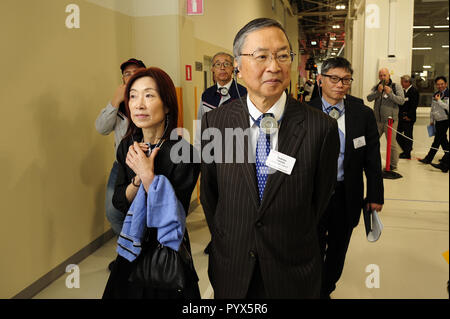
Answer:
x=262 y=152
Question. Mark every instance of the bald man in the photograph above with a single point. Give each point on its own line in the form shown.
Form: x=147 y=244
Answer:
x=388 y=96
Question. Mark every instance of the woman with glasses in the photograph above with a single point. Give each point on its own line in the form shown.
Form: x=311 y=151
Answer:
x=143 y=156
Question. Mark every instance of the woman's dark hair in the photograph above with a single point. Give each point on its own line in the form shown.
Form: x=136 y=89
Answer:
x=443 y=78
x=167 y=93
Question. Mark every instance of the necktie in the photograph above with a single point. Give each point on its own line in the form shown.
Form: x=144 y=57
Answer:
x=262 y=152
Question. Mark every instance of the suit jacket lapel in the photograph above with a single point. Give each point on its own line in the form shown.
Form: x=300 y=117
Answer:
x=350 y=122
x=240 y=118
x=290 y=137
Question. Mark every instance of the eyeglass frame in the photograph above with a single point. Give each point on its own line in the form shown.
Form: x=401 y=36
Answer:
x=292 y=55
x=222 y=64
x=340 y=79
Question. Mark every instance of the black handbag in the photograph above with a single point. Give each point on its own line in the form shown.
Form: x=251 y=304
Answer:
x=161 y=267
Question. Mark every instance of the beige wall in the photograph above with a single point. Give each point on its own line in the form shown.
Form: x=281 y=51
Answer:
x=54 y=163
x=56 y=80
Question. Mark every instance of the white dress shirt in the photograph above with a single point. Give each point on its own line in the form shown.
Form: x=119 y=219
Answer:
x=277 y=110
x=225 y=98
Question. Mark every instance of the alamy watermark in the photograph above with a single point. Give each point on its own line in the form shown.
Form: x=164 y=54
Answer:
x=73 y=279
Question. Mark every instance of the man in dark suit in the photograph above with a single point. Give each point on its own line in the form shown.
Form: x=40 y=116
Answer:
x=407 y=116
x=263 y=221
x=359 y=152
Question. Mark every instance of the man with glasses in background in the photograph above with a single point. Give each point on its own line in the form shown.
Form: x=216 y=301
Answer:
x=359 y=153
x=263 y=210
x=222 y=92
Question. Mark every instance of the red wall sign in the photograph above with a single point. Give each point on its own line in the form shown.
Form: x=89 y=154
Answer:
x=188 y=72
x=195 y=7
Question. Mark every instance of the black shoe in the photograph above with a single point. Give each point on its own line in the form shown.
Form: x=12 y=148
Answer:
x=441 y=166
x=111 y=265
x=404 y=155
x=425 y=161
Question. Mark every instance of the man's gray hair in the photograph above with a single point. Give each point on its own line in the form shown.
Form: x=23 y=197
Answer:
x=223 y=53
x=406 y=78
x=336 y=63
x=254 y=25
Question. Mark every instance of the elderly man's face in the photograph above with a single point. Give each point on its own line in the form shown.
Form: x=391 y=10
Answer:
x=222 y=68
x=405 y=84
x=384 y=75
x=265 y=79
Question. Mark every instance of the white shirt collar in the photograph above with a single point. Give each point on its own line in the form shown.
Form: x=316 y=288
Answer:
x=277 y=109
x=228 y=85
x=408 y=88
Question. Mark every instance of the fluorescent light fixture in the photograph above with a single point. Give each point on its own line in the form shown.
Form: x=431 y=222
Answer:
x=427 y=66
x=333 y=53
x=340 y=7
x=440 y=26
x=423 y=48
x=421 y=27
x=336 y=49
x=445 y=46
x=332 y=38
x=313 y=42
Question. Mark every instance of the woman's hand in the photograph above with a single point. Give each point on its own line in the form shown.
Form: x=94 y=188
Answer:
x=142 y=165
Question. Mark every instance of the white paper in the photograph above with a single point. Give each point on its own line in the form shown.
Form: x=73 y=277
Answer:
x=281 y=162
x=377 y=227
x=359 y=142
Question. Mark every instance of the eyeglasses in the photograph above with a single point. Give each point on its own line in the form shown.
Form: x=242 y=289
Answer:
x=262 y=56
x=335 y=79
x=218 y=65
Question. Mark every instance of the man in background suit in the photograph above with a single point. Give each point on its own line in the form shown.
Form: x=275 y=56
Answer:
x=222 y=92
x=263 y=222
x=359 y=152
x=407 y=116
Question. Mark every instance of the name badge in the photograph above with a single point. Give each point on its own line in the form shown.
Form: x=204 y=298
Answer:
x=406 y=98
x=385 y=96
x=359 y=142
x=281 y=162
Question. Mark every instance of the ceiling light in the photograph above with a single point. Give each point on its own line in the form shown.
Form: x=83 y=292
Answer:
x=333 y=53
x=313 y=42
x=332 y=38
x=427 y=66
x=421 y=27
x=445 y=46
x=430 y=34
x=440 y=26
x=336 y=26
x=335 y=49
x=423 y=48
x=340 y=7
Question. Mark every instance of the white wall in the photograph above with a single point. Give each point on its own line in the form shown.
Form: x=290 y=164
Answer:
x=385 y=27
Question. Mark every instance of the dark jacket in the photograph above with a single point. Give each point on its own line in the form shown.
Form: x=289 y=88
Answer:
x=281 y=231
x=360 y=121
x=409 y=108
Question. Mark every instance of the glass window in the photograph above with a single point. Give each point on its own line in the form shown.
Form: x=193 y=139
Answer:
x=430 y=46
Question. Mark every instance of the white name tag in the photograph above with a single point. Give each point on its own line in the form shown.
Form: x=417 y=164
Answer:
x=281 y=162
x=359 y=142
x=385 y=96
